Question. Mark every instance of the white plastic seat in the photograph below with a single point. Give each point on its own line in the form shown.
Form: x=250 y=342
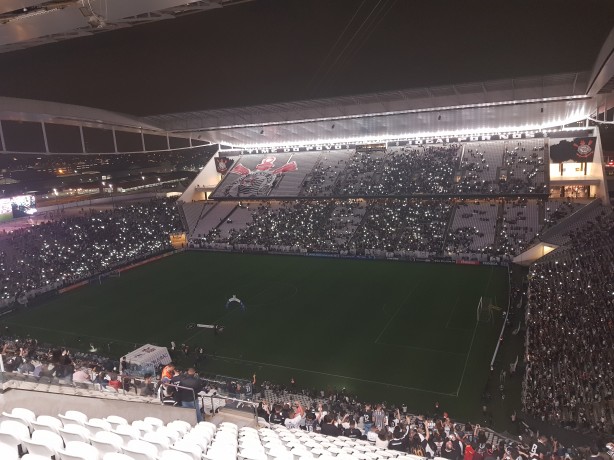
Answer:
x=14 y=418
x=138 y=446
x=79 y=450
x=20 y=414
x=187 y=447
x=250 y=454
x=208 y=426
x=73 y=416
x=110 y=437
x=173 y=435
x=127 y=432
x=253 y=442
x=160 y=441
x=24 y=413
x=38 y=448
x=105 y=447
x=16 y=427
x=73 y=432
x=217 y=454
x=97 y=424
x=174 y=455
x=143 y=426
x=116 y=420
x=43 y=442
x=47 y=422
x=153 y=421
x=203 y=431
x=280 y=454
x=8 y=452
x=31 y=457
x=181 y=426
x=227 y=426
x=196 y=439
x=116 y=456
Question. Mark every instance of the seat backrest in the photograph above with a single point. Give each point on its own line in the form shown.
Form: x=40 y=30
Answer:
x=16 y=428
x=99 y=423
x=81 y=448
x=24 y=413
x=196 y=439
x=153 y=421
x=75 y=456
x=130 y=430
x=138 y=455
x=32 y=457
x=73 y=432
x=79 y=429
x=15 y=418
x=115 y=456
x=160 y=441
x=116 y=420
x=174 y=455
x=39 y=448
x=8 y=453
x=76 y=415
x=50 y=420
x=143 y=426
x=49 y=438
x=168 y=432
x=109 y=437
x=104 y=447
x=138 y=445
x=180 y=426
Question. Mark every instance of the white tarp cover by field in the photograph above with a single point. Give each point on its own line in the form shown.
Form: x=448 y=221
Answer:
x=149 y=354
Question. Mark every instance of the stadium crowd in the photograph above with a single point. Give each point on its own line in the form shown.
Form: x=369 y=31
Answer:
x=406 y=228
x=389 y=225
x=72 y=248
x=570 y=337
x=60 y=366
x=492 y=168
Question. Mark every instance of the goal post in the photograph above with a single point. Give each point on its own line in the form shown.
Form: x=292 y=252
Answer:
x=484 y=310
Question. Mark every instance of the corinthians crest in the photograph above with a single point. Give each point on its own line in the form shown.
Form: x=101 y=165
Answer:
x=584 y=147
x=260 y=181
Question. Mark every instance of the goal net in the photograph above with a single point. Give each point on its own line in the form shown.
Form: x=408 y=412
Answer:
x=484 y=311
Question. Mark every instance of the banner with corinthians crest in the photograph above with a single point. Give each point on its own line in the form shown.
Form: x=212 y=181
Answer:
x=578 y=150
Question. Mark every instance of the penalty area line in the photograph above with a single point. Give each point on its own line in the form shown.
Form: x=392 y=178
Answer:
x=395 y=314
x=329 y=375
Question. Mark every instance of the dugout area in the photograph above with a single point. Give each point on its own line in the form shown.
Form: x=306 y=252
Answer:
x=404 y=332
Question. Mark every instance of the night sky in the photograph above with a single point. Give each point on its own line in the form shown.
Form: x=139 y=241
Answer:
x=279 y=50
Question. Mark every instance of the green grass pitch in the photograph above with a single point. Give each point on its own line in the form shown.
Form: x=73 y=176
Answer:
x=395 y=331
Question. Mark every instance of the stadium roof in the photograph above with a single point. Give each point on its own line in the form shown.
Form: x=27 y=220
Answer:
x=28 y=23
x=275 y=51
x=516 y=102
x=528 y=103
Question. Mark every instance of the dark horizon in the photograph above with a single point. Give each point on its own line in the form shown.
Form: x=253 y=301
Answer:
x=270 y=51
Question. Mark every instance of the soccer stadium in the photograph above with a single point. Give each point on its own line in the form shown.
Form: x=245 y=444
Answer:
x=369 y=268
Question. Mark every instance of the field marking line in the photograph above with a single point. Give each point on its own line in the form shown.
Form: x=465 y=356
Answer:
x=228 y=358
x=475 y=329
x=467 y=359
x=395 y=314
x=430 y=350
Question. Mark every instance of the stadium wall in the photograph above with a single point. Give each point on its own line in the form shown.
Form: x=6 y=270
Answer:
x=206 y=180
